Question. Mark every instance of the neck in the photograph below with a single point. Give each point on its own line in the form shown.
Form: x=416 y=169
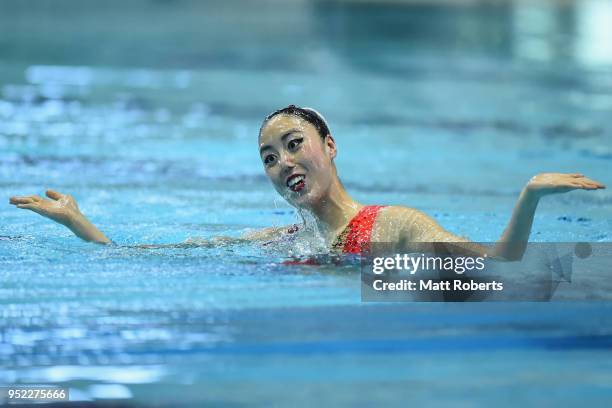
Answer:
x=335 y=210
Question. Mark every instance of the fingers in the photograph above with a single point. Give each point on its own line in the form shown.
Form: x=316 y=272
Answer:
x=587 y=185
x=24 y=199
x=592 y=183
x=585 y=182
x=20 y=200
x=31 y=206
x=597 y=183
x=53 y=194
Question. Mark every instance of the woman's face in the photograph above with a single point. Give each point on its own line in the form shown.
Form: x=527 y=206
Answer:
x=297 y=160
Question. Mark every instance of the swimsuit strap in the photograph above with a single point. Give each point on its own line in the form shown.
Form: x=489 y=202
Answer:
x=358 y=233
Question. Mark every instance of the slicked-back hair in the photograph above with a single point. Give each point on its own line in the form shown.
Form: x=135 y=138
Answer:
x=309 y=115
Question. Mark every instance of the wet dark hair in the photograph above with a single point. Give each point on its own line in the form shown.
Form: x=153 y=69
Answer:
x=309 y=115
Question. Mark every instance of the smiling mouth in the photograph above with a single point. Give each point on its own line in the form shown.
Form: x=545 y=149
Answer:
x=296 y=182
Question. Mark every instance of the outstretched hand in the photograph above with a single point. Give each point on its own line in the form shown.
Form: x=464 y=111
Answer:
x=553 y=183
x=61 y=208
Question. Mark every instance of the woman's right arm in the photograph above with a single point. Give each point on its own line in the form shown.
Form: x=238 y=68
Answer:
x=63 y=209
x=265 y=235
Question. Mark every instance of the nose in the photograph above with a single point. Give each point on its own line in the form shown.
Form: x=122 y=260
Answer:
x=287 y=163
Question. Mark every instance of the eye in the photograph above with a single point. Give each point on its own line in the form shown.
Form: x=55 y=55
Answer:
x=269 y=159
x=295 y=143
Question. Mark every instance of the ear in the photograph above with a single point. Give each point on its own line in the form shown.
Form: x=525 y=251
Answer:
x=330 y=146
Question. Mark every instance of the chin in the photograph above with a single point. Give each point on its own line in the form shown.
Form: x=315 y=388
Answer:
x=306 y=199
x=302 y=201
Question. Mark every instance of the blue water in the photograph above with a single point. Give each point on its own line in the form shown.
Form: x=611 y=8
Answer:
x=148 y=115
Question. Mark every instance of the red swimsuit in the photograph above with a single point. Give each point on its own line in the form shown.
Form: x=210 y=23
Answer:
x=355 y=237
x=358 y=233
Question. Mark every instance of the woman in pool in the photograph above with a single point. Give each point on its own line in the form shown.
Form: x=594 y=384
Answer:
x=297 y=151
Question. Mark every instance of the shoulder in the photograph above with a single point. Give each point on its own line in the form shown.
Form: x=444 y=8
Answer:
x=392 y=223
x=269 y=233
x=420 y=227
x=410 y=224
x=404 y=215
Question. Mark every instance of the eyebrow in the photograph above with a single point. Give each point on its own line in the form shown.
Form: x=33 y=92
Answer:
x=283 y=137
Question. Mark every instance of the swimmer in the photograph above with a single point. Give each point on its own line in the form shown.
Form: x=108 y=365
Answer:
x=297 y=151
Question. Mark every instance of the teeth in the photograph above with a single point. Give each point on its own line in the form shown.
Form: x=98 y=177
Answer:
x=293 y=181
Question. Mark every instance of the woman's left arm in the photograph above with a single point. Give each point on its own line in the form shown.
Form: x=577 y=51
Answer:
x=419 y=227
x=511 y=246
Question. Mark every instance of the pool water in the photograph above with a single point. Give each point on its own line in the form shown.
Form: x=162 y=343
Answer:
x=148 y=115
